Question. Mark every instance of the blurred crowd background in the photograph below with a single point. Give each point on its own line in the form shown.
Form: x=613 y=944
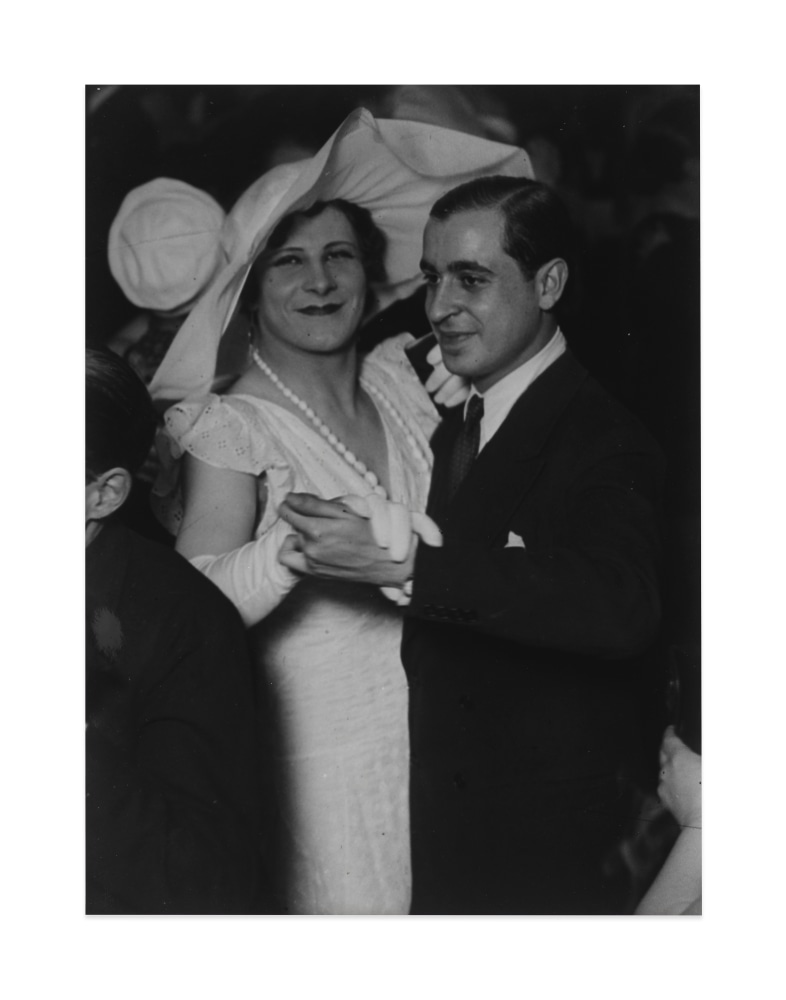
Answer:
x=624 y=159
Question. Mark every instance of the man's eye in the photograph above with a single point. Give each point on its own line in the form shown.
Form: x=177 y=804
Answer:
x=430 y=278
x=472 y=280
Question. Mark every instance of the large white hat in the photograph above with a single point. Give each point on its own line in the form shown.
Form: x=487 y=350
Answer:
x=164 y=244
x=395 y=169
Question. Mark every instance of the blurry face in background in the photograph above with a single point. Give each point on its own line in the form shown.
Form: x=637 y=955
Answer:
x=312 y=292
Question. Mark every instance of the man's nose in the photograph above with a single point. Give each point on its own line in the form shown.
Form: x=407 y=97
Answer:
x=319 y=278
x=440 y=302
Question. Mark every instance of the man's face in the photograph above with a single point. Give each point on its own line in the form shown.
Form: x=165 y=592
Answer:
x=486 y=315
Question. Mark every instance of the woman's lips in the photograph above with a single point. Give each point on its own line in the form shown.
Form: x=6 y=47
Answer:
x=327 y=310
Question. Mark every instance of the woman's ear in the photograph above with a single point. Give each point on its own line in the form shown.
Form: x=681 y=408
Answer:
x=107 y=494
x=551 y=279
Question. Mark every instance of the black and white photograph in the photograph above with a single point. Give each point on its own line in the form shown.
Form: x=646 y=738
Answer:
x=432 y=502
x=393 y=500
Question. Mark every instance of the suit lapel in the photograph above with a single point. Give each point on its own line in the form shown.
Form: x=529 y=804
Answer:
x=510 y=463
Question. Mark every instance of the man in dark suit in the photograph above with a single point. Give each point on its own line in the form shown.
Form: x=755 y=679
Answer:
x=173 y=815
x=524 y=633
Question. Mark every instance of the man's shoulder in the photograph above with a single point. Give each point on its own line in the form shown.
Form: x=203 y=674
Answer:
x=149 y=611
x=591 y=411
x=566 y=407
x=599 y=411
x=172 y=582
x=154 y=589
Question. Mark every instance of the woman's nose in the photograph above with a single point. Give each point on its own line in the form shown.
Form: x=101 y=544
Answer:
x=319 y=278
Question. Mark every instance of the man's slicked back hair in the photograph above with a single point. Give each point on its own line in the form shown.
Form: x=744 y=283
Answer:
x=537 y=224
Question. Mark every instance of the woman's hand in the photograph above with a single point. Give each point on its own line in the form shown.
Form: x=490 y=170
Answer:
x=680 y=780
x=448 y=390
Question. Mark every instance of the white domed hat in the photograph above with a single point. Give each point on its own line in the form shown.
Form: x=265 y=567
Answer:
x=164 y=244
x=395 y=169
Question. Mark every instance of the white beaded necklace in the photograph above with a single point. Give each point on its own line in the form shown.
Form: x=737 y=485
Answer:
x=349 y=457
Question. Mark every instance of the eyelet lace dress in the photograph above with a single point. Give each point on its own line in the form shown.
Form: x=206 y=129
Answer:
x=327 y=654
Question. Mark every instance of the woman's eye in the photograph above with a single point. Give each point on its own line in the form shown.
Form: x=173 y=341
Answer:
x=287 y=260
x=341 y=255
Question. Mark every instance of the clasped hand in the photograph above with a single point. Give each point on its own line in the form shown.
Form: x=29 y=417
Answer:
x=358 y=539
x=445 y=388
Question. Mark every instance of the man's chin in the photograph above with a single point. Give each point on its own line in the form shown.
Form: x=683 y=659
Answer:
x=454 y=347
x=459 y=362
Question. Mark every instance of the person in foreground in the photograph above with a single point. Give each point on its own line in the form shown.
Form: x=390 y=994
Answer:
x=677 y=886
x=522 y=635
x=310 y=413
x=172 y=791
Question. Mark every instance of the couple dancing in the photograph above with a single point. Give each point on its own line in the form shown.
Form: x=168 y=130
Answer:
x=315 y=247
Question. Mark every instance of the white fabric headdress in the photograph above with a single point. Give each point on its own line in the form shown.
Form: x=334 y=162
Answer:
x=164 y=244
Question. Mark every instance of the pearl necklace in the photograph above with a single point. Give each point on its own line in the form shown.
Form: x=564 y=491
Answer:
x=332 y=439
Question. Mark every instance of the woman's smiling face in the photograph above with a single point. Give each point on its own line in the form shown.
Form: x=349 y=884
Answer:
x=313 y=289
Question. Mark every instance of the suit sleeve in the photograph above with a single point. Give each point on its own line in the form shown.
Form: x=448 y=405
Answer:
x=591 y=587
x=173 y=826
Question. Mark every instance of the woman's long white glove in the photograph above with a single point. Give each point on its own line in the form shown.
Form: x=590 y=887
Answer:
x=256 y=582
x=446 y=389
x=251 y=576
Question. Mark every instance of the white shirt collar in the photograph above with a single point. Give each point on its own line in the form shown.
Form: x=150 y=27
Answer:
x=498 y=401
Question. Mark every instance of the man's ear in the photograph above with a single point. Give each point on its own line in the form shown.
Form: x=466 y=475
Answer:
x=107 y=493
x=550 y=281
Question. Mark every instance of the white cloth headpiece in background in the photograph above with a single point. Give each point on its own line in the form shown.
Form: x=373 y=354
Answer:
x=165 y=244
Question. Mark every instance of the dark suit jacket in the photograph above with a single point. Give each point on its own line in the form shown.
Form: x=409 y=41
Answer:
x=522 y=661
x=173 y=812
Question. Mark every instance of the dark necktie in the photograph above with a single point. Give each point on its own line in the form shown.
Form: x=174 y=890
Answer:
x=465 y=450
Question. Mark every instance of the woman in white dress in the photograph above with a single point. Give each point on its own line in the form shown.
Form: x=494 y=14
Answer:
x=310 y=415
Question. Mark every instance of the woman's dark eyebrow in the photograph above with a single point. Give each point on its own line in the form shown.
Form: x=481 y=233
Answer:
x=289 y=248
